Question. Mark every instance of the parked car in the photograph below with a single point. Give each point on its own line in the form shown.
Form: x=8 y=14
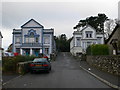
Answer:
x=40 y=64
x=8 y=54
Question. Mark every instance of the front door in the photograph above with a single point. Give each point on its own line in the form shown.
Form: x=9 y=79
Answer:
x=27 y=52
x=36 y=53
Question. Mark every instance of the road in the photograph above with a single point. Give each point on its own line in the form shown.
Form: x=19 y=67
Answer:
x=65 y=73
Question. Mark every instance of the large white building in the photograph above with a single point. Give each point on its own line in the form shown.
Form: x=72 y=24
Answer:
x=84 y=37
x=33 y=39
x=1 y=46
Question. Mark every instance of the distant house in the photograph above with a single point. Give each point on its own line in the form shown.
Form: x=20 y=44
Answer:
x=1 y=46
x=84 y=37
x=114 y=41
x=33 y=39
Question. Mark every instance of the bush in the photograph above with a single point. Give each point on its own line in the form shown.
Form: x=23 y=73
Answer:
x=98 y=49
x=9 y=64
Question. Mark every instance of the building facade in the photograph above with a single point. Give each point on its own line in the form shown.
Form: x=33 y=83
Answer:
x=84 y=37
x=114 y=41
x=33 y=39
x=1 y=49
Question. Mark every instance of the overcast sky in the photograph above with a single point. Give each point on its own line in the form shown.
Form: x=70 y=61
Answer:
x=61 y=15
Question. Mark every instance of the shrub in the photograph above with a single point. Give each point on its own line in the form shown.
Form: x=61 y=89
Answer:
x=98 y=49
x=9 y=64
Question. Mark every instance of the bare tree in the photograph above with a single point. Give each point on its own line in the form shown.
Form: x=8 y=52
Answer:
x=109 y=27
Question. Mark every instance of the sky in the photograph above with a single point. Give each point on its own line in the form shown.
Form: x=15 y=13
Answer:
x=62 y=15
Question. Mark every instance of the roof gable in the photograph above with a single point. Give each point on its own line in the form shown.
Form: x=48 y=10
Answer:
x=111 y=35
x=32 y=23
x=88 y=26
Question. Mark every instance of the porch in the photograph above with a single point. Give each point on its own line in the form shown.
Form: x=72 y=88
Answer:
x=30 y=51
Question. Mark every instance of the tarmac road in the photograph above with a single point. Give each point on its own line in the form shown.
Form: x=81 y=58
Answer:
x=65 y=73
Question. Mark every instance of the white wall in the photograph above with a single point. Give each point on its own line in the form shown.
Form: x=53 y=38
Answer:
x=84 y=42
x=75 y=50
x=38 y=31
x=88 y=29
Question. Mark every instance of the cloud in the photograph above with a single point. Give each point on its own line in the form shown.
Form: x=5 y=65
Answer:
x=62 y=16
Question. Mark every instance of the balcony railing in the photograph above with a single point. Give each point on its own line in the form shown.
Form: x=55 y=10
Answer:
x=31 y=44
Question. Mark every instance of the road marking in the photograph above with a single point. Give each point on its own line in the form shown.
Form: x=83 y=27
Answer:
x=106 y=82
x=12 y=79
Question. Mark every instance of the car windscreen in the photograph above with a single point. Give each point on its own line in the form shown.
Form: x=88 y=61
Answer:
x=40 y=60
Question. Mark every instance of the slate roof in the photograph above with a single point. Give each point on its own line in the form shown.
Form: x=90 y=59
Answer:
x=117 y=26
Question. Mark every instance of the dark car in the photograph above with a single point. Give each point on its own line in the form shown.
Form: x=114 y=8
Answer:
x=40 y=64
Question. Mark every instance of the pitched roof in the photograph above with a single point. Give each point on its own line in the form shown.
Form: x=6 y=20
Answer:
x=1 y=34
x=88 y=26
x=117 y=26
x=24 y=25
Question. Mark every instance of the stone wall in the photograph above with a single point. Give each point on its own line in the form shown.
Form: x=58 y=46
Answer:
x=109 y=63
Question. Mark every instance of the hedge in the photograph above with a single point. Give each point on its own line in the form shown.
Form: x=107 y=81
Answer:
x=9 y=64
x=98 y=49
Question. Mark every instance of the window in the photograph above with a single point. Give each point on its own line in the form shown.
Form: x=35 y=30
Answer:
x=27 y=40
x=46 y=50
x=78 y=41
x=31 y=40
x=37 y=39
x=31 y=34
x=99 y=40
x=46 y=40
x=89 y=34
x=17 y=40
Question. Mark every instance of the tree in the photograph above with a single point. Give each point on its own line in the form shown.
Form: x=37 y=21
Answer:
x=95 y=21
x=109 y=27
x=62 y=43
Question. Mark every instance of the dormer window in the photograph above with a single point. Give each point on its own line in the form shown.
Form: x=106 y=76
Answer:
x=88 y=34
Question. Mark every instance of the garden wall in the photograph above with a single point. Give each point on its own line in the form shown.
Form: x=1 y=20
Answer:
x=109 y=63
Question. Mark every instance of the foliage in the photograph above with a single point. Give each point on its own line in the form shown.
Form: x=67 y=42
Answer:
x=9 y=64
x=95 y=21
x=62 y=43
x=98 y=49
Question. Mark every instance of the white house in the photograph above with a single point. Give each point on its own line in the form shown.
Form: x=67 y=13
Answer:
x=84 y=37
x=33 y=39
x=1 y=45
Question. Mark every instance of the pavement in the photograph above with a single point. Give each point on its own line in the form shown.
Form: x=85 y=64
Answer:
x=107 y=78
